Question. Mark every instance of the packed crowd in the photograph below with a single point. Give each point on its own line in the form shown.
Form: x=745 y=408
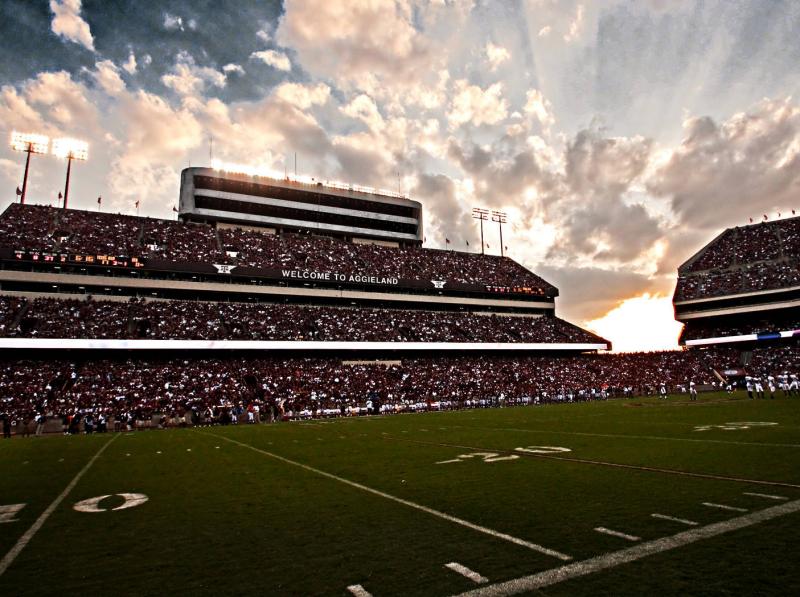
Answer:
x=33 y=227
x=696 y=329
x=762 y=256
x=192 y=320
x=203 y=391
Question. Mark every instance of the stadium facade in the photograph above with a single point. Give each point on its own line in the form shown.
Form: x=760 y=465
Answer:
x=306 y=251
x=742 y=289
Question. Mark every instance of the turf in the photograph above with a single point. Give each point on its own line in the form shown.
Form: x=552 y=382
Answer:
x=226 y=517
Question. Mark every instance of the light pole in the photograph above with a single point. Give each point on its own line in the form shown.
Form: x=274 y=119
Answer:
x=500 y=218
x=70 y=149
x=29 y=143
x=481 y=214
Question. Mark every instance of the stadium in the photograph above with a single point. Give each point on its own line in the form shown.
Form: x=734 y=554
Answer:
x=334 y=390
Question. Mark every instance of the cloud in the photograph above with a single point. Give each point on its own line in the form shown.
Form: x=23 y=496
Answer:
x=106 y=75
x=363 y=108
x=172 y=22
x=303 y=96
x=537 y=106
x=68 y=23
x=233 y=68
x=65 y=100
x=349 y=39
x=188 y=79
x=129 y=66
x=273 y=58
x=496 y=55
x=576 y=26
x=477 y=106
x=722 y=173
x=445 y=216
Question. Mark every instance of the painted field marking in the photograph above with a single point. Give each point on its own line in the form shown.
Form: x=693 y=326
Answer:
x=690 y=523
x=8 y=512
x=735 y=426
x=466 y=572
x=626 y=436
x=93 y=504
x=635 y=467
x=625 y=536
x=724 y=507
x=766 y=496
x=484 y=456
x=26 y=538
x=359 y=591
x=459 y=521
x=630 y=554
x=543 y=450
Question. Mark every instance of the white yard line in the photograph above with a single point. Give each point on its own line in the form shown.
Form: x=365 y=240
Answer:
x=766 y=496
x=724 y=507
x=631 y=554
x=359 y=591
x=466 y=572
x=26 y=538
x=459 y=521
x=690 y=523
x=625 y=436
x=613 y=533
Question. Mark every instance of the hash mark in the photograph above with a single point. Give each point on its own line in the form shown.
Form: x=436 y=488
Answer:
x=625 y=536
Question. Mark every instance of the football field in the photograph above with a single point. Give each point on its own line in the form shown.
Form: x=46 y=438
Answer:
x=607 y=498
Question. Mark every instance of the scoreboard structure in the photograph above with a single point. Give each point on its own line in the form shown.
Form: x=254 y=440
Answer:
x=298 y=204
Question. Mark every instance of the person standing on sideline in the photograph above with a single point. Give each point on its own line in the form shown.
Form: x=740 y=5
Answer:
x=692 y=391
x=6 y=426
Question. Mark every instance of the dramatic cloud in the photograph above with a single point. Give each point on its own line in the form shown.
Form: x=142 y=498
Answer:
x=107 y=77
x=274 y=59
x=303 y=96
x=68 y=23
x=349 y=39
x=477 y=106
x=745 y=166
x=189 y=79
x=233 y=68
x=496 y=55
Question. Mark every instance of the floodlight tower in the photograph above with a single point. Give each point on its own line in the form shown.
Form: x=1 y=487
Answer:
x=70 y=149
x=29 y=143
x=500 y=218
x=481 y=214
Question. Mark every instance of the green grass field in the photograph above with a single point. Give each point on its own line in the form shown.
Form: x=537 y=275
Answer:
x=385 y=503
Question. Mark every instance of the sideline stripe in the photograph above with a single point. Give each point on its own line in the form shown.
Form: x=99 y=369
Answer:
x=359 y=591
x=724 y=507
x=635 y=467
x=25 y=539
x=765 y=495
x=690 y=523
x=631 y=554
x=464 y=571
x=431 y=511
x=606 y=531
x=625 y=436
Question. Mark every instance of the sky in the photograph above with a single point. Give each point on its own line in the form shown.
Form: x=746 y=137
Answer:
x=620 y=136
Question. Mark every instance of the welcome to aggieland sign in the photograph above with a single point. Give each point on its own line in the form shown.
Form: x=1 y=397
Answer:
x=337 y=277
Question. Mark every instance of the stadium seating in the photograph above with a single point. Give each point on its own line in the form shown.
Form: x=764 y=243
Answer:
x=192 y=320
x=34 y=227
x=744 y=259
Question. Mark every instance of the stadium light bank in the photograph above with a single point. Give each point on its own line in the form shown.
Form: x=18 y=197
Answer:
x=70 y=149
x=29 y=143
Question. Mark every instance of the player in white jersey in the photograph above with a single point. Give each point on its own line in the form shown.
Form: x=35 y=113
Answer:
x=663 y=391
x=793 y=384
x=748 y=384
x=771 y=386
x=758 y=387
x=692 y=391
